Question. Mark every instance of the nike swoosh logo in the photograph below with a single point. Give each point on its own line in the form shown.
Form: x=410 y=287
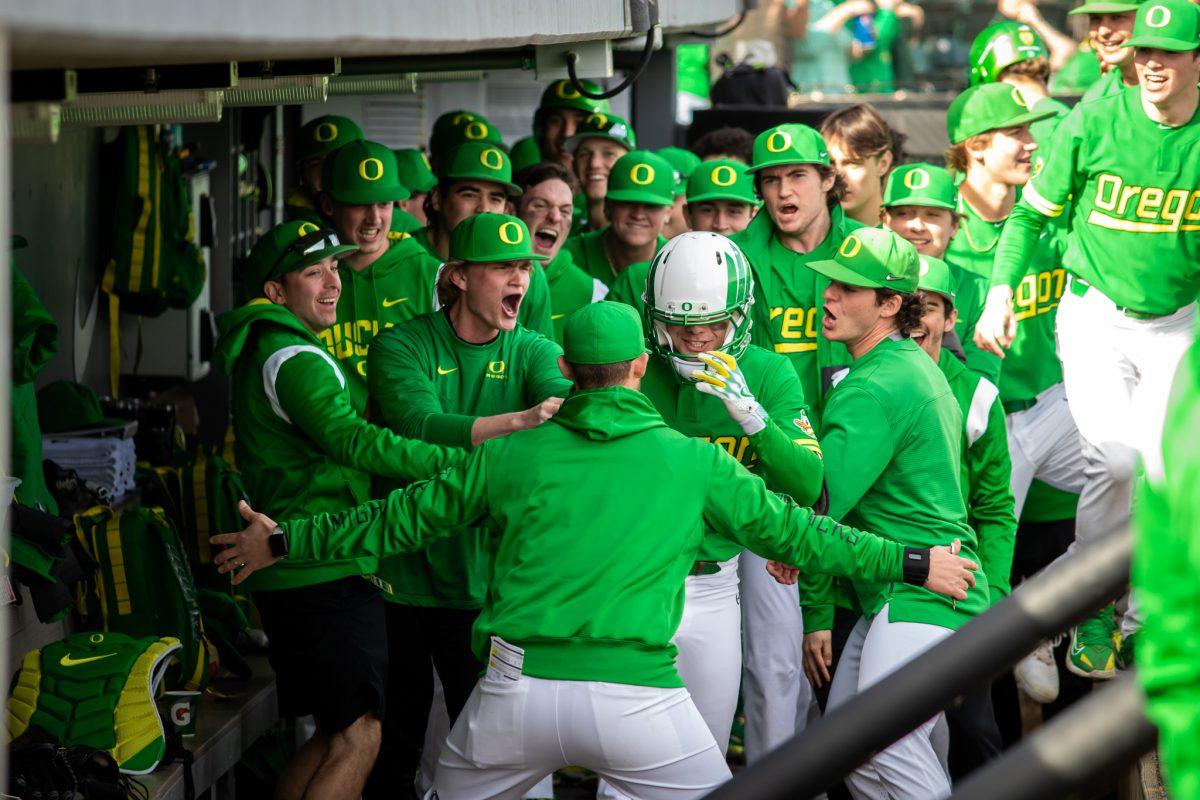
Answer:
x=891 y=277
x=389 y=303
x=67 y=661
x=447 y=371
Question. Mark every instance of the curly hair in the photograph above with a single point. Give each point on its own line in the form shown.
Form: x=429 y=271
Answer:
x=912 y=307
x=729 y=141
x=958 y=156
x=1036 y=68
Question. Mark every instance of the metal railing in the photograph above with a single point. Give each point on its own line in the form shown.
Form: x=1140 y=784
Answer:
x=1064 y=594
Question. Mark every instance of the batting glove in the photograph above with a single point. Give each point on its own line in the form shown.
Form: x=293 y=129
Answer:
x=722 y=378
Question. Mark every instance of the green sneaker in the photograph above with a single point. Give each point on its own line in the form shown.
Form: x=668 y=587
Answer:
x=1094 y=646
x=1126 y=656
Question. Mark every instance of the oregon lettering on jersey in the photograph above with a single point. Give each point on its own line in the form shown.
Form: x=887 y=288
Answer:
x=796 y=329
x=1122 y=206
x=1039 y=293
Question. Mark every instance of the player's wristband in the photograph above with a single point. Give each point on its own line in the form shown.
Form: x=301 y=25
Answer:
x=916 y=565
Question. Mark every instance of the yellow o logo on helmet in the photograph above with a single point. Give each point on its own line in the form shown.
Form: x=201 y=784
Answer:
x=642 y=174
x=779 y=141
x=306 y=228
x=723 y=175
x=511 y=233
x=1026 y=36
x=492 y=158
x=566 y=91
x=916 y=180
x=1158 y=17
x=325 y=132
x=596 y=120
x=370 y=169
x=1016 y=96
x=850 y=247
x=475 y=130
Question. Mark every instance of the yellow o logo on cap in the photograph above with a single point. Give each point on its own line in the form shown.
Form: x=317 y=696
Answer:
x=306 y=228
x=916 y=180
x=723 y=175
x=641 y=174
x=1016 y=96
x=475 y=130
x=596 y=120
x=779 y=141
x=566 y=91
x=1158 y=17
x=851 y=246
x=425 y=158
x=466 y=116
x=491 y=158
x=325 y=132
x=511 y=233
x=368 y=166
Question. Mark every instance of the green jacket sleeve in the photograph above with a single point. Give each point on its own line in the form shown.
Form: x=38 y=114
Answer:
x=740 y=507
x=544 y=379
x=990 y=501
x=788 y=451
x=407 y=519
x=535 y=306
x=1044 y=197
x=35 y=334
x=309 y=390
x=852 y=420
x=407 y=398
x=969 y=300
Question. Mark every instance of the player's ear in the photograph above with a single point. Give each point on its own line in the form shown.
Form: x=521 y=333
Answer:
x=637 y=370
x=564 y=367
x=326 y=204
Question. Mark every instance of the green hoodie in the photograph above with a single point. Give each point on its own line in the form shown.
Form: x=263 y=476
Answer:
x=589 y=575
x=301 y=447
x=570 y=289
x=534 y=313
x=787 y=302
x=396 y=288
x=1166 y=566
x=34 y=343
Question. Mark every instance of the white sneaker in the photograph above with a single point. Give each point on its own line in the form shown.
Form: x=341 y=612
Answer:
x=1037 y=674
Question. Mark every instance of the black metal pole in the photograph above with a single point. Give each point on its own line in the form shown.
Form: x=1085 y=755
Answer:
x=1043 y=606
x=1090 y=742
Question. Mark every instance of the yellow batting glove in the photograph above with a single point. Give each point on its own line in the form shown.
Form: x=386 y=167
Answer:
x=722 y=379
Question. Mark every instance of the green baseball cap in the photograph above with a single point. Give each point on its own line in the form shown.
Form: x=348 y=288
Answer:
x=934 y=276
x=721 y=179
x=363 y=172
x=1172 y=25
x=790 y=143
x=641 y=176
x=563 y=94
x=684 y=161
x=65 y=406
x=921 y=185
x=1001 y=45
x=491 y=239
x=988 y=107
x=478 y=161
x=603 y=333
x=458 y=127
x=1106 y=7
x=599 y=125
x=414 y=170
x=286 y=248
x=525 y=153
x=875 y=258
x=325 y=134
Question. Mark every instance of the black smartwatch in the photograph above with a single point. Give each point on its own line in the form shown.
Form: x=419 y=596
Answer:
x=916 y=565
x=278 y=542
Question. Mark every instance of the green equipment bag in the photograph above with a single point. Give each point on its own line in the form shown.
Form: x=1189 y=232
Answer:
x=143 y=586
x=98 y=690
x=151 y=262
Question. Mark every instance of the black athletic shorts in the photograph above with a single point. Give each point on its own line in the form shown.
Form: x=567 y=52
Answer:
x=328 y=646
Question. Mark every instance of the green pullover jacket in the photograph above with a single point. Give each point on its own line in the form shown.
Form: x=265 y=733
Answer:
x=300 y=446
x=589 y=575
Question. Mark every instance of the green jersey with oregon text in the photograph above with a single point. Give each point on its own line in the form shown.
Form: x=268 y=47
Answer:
x=787 y=302
x=1134 y=187
x=785 y=453
x=1032 y=364
x=427 y=383
x=396 y=288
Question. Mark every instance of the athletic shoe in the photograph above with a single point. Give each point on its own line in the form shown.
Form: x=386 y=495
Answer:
x=1037 y=674
x=1094 y=646
x=1127 y=655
